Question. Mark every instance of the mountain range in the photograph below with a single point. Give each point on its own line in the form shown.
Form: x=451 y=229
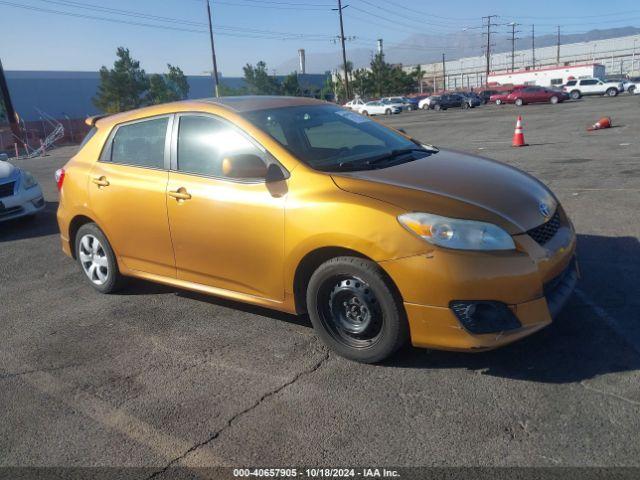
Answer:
x=426 y=48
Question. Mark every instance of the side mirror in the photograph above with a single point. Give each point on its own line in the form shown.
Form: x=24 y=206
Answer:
x=244 y=165
x=275 y=173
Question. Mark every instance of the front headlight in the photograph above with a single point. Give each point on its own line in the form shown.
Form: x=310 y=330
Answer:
x=457 y=234
x=28 y=180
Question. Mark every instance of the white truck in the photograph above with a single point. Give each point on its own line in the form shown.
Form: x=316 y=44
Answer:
x=592 y=86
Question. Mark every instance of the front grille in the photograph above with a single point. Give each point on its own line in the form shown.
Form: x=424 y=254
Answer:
x=6 y=189
x=545 y=232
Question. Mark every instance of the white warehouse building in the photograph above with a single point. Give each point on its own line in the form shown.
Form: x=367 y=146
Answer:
x=616 y=55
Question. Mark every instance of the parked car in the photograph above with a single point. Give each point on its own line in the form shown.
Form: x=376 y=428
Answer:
x=485 y=95
x=451 y=100
x=501 y=97
x=20 y=193
x=301 y=206
x=473 y=99
x=404 y=102
x=378 y=108
x=355 y=104
x=634 y=86
x=425 y=103
x=592 y=86
x=536 y=95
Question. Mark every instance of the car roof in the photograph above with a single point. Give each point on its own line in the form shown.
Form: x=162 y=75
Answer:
x=237 y=104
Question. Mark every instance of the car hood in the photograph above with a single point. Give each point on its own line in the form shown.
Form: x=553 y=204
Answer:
x=457 y=185
x=7 y=171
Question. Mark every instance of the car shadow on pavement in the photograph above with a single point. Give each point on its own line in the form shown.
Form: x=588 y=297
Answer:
x=597 y=333
x=44 y=223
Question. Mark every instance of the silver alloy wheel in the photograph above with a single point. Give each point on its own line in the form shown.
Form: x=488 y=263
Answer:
x=93 y=259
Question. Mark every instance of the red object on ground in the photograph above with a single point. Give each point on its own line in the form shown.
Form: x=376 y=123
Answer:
x=518 y=135
x=604 y=122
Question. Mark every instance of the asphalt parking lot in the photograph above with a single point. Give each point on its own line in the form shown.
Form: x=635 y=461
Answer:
x=156 y=377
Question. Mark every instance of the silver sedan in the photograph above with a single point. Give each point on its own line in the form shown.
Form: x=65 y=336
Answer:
x=20 y=194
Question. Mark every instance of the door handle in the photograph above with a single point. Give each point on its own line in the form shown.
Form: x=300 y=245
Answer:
x=101 y=181
x=180 y=194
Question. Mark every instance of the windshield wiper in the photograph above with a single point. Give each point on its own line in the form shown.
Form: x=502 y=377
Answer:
x=393 y=154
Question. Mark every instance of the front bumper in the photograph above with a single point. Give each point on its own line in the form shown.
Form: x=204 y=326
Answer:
x=534 y=283
x=23 y=203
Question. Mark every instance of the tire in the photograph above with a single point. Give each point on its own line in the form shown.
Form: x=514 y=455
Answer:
x=575 y=94
x=519 y=102
x=388 y=111
x=365 y=113
x=631 y=90
x=425 y=106
x=612 y=92
x=498 y=102
x=355 y=310
x=97 y=261
x=553 y=100
x=465 y=105
x=437 y=107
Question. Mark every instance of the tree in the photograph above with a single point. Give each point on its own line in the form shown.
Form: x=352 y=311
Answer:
x=291 y=86
x=169 y=87
x=122 y=87
x=258 y=80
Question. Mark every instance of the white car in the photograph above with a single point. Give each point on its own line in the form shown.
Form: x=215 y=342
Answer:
x=425 y=103
x=354 y=105
x=379 y=108
x=20 y=194
x=592 y=86
x=634 y=86
x=402 y=102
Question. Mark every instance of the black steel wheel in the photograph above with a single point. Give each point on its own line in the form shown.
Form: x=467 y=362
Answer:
x=355 y=310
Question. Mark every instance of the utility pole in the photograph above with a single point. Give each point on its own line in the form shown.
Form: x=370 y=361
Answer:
x=213 y=52
x=444 y=74
x=513 y=45
x=488 y=18
x=344 y=51
x=558 y=49
x=8 y=106
x=533 y=46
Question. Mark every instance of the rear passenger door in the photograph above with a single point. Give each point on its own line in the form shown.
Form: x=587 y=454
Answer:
x=127 y=194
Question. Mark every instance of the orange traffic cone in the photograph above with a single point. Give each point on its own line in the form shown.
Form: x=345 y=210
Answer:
x=604 y=122
x=518 y=135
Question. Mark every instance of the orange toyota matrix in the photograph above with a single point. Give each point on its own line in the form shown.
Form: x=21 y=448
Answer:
x=301 y=206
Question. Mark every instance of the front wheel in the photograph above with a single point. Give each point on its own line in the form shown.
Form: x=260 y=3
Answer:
x=425 y=106
x=365 y=113
x=612 y=92
x=631 y=90
x=96 y=259
x=575 y=94
x=355 y=310
x=553 y=100
x=519 y=102
x=387 y=111
x=498 y=102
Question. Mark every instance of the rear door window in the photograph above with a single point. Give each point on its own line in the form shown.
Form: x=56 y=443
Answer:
x=141 y=143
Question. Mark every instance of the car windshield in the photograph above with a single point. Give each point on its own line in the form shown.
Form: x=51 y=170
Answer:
x=329 y=138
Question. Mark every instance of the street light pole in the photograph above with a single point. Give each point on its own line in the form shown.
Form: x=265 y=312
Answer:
x=213 y=52
x=344 y=50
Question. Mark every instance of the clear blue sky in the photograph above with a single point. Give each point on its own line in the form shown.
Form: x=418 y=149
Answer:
x=39 y=39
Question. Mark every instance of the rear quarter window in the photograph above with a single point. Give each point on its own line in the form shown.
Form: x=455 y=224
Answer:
x=140 y=143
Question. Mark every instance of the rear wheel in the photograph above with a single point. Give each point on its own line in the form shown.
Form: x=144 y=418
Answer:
x=575 y=94
x=631 y=89
x=612 y=92
x=465 y=105
x=425 y=106
x=519 y=102
x=96 y=259
x=365 y=113
x=553 y=100
x=355 y=311
x=437 y=107
x=387 y=111
x=498 y=102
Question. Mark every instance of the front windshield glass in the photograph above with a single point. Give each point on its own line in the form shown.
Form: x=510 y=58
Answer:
x=330 y=138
